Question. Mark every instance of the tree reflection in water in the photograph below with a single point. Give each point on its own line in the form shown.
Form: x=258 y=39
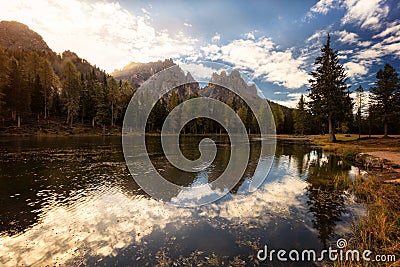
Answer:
x=328 y=181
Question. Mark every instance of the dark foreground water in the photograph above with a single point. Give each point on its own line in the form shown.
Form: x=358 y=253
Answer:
x=72 y=201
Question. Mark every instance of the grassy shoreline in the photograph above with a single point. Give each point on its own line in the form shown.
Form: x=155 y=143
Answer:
x=379 y=231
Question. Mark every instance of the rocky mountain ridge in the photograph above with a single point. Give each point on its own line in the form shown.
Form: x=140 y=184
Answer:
x=18 y=36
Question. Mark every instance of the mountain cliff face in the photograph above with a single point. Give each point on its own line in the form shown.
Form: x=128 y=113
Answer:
x=17 y=36
x=138 y=73
x=220 y=86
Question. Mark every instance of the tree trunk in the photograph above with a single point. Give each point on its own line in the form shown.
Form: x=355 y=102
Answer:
x=45 y=104
x=332 y=136
x=112 y=114
x=68 y=115
x=359 y=123
x=19 y=120
x=385 y=129
x=93 y=122
x=369 y=126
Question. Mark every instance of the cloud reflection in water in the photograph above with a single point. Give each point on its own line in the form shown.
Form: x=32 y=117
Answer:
x=109 y=220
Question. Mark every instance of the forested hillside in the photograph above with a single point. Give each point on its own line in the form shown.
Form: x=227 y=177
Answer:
x=39 y=87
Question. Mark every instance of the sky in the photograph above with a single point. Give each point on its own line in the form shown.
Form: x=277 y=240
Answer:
x=275 y=43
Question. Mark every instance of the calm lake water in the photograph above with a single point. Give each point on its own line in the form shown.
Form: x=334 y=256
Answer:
x=72 y=201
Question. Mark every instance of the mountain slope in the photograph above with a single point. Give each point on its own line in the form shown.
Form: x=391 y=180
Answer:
x=18 y=36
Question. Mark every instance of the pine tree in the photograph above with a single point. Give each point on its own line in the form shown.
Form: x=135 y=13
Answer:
x=37 y=97
x=329 y=93
x=279 y=117
x=300 y=116
x=386 y=95
x=47 y=77
x=113 y=97
x=18 y=99
x=4 y=79
x=71 y=90
x=360 y=95
x=102 y=108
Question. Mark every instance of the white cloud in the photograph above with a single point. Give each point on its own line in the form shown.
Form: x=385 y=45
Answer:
x=199 y=71
x=292 y=100
x=346 y=37
x=392 y=28
x=261 y=56
x=250 y=35
x=322 y=7
x=365 y=13
x=102 y=32
x=212 y=51
x=216 y=38
x=145 y=11
x=355 y=69
x=317 y=35
x=391 y=38
x=364 y=43
x=187 y=24
x=343 y=52
x=369 y=53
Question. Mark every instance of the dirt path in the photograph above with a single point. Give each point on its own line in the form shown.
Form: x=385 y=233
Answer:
x=388 y=155
x=394 y=157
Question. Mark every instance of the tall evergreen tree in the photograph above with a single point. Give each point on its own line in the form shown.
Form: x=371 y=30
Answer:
x=300 y=116
x=71 y=90
x=328 y=89
x=279 y=117
x=360 y=95
x=114 y=97
x=18 y=99
x=4 y=79
x=37 y=97
x=102 y=107
x=386 y=95
x=47 y=77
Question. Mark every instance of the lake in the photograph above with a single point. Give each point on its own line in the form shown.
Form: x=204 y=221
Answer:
x=72 y=201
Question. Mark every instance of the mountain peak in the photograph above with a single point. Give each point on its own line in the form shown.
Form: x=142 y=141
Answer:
x=221 y=86
x=137 y=73
x=17 y=36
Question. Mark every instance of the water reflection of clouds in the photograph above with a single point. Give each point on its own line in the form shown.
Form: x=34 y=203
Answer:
x=356 y=172
x=110 y=220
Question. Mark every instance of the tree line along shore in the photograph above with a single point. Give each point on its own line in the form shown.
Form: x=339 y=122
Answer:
x=47 y=93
